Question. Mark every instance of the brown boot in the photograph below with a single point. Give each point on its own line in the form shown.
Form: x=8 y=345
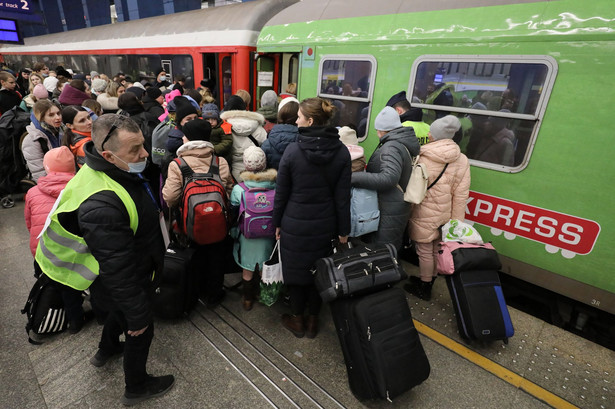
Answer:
x=248 y=294
x=293 y=323
x=311 y=328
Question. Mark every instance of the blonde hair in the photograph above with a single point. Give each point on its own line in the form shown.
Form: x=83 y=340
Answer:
x=31 y=86
x=291 y=88
x=112 y=88
x=245 y=95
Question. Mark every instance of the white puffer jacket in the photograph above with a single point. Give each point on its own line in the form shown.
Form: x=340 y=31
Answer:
x=446 y=199
x=244 y=124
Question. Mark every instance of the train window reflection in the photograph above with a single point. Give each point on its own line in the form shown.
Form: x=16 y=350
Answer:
x=500 y=101
x=347 y=81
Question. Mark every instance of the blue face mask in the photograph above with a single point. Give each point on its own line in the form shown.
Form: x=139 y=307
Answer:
x=136 y=167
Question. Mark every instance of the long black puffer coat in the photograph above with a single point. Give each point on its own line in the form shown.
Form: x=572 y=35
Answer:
x=388 y=171
x=310 y=209
x=127 y=261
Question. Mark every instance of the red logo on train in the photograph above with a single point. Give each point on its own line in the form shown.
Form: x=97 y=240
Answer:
x=558 y=231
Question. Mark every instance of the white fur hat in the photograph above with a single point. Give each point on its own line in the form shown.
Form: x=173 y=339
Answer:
x=348 y=136
x=286 y=101
x=254 y=159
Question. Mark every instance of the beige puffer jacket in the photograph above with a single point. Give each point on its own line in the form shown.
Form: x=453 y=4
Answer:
x=446 y=199
x=197 y=155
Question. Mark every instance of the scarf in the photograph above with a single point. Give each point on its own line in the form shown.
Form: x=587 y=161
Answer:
x=52 y=133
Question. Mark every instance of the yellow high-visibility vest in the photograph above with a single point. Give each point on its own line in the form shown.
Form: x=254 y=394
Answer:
x=65 y=257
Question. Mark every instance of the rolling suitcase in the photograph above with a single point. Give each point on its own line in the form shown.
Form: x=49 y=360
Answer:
x=479 y=305
x=381 y=347
x=176 y=289
x=360 y=269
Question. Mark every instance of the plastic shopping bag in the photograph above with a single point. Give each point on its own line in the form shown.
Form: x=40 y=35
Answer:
x=271 y=277
x=456 y=230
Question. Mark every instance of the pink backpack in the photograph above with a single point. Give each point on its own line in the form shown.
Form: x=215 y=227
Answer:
x=256 y=212
x=458 y=256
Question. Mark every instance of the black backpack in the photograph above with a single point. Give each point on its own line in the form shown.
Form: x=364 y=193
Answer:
x=44 y=309
x=12 y=164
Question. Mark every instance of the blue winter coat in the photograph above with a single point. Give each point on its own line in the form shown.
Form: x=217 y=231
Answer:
x=279 y=138
x=312 y=200
x=250 y=252
x=388 y=172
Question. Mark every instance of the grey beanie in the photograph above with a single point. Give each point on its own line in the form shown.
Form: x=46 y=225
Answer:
x=444 y=128
x=387 y=120
x=269 y=99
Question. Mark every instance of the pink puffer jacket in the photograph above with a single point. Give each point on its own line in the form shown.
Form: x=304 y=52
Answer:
x=446 y=199
x=40 y=200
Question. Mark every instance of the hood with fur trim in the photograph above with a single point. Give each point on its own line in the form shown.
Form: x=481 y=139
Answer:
x=268 y=175
x=192 y=145
x=243 y=122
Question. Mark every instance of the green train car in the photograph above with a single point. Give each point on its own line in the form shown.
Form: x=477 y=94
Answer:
x=540 y=73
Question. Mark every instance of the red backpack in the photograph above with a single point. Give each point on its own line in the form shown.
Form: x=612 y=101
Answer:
x=203 y=205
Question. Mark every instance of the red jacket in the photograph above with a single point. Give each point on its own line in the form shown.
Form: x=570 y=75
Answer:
x=39 y=201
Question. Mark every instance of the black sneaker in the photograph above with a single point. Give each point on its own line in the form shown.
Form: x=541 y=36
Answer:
x=155 y=386
x=101 y=357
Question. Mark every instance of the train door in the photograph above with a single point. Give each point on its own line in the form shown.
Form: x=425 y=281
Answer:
x=277 y=71
x=217 y=76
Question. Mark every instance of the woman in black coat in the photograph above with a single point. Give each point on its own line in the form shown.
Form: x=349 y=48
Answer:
x=312 y=208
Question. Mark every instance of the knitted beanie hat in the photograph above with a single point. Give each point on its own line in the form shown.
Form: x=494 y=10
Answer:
x=197 y=130
x=387 y=120
x=211 y=111
x=153 y=92
x=254 y=159
x=40 y=92
x=183 y=108
x=444 y=128
x=348 y=136
x=99 y=85
x=50 y=83
x=269 y=98
x=59 y=160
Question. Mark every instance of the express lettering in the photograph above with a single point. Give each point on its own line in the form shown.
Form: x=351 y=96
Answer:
x=552 y=228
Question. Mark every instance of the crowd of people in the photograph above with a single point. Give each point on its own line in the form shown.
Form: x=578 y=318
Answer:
x=116 y=153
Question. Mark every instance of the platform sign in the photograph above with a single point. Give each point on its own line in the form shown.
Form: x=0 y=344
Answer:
x=18 y=6
x=9 y=32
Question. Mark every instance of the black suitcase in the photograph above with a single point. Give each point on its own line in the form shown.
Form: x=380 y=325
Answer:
x=479 y=305
x=382 y=350
x=176 y=289
x=357 y=270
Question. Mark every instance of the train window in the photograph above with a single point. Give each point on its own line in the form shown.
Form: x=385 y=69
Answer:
x=347 y=80
x=500 y=101
x=182 y=65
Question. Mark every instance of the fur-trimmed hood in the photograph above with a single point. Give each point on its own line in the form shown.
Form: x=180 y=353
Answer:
x=243 y=122
x=268 y=175
x=193 y=145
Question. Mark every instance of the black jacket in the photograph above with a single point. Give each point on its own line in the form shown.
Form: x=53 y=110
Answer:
x=127 y=261
x=8 y=99
x=312 y=200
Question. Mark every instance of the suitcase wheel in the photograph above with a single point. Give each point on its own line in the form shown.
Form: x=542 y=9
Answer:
x=505 y=341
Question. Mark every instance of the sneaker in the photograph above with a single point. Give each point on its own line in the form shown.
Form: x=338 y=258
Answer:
x=154 y=387
x=102 y=356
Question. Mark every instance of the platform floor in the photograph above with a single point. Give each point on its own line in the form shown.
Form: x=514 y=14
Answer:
x=229 y=358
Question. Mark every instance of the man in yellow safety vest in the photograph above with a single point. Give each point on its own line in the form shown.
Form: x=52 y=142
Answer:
x=105 y=235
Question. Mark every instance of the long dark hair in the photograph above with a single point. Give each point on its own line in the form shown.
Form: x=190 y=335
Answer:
x=68 y=116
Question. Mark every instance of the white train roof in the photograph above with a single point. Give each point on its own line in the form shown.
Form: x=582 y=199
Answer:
x=237 y=24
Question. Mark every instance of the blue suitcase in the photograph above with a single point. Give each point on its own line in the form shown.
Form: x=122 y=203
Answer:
x=479 y=305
